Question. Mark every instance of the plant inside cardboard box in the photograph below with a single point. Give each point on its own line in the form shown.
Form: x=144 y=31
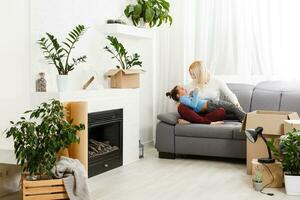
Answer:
x=127 y=73
x=121 y=55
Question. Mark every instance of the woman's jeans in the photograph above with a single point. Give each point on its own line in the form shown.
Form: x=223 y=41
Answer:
x=230 y=108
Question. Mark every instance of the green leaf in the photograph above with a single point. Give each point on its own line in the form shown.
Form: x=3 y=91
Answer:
x=137 y=11
x=149 y=15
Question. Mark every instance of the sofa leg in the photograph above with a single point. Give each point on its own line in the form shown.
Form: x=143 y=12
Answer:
x=166 y=155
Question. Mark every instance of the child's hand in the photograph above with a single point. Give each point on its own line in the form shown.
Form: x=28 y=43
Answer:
x=217 y=123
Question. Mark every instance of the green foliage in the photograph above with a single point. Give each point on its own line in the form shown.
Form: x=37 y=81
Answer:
x=40 y=135
x=289 y=153
x=59 y=54
x=120 y=53
x=153 y=12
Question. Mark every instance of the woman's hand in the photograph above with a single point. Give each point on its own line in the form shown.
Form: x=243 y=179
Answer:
x=217 y=123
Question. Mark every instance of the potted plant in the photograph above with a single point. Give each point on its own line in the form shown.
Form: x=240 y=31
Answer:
x=258 y=179
x=127 y=73
x=152 y=12
x=59 y=55
x=39 y=135
x=289 y=155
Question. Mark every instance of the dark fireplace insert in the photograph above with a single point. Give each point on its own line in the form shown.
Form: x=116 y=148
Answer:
x=105 y=141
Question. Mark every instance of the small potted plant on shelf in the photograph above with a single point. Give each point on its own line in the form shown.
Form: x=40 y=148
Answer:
x=128 y=71
x=59 y=55
x=152 y=12
x=289 y=155
x=258 y=179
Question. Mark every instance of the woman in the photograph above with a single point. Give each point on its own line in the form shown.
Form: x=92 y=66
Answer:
x=209 y=88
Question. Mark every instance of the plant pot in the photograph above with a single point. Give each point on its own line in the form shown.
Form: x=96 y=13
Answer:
x=43 y=189
x=63 y=83
x=292 y=184
x=258 y=186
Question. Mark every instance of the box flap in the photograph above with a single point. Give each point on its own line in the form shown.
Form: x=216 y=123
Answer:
x=293 y=116
x=293 y=121
x=133 y=71
x=111 y=72
x=271 y=112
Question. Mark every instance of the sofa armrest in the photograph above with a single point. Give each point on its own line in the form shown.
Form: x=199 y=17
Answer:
x=169 y=118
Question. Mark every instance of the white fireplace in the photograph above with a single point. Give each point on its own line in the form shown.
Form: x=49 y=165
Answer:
x=102 y=100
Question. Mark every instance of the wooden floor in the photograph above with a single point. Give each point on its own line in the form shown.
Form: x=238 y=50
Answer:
x=182 y=179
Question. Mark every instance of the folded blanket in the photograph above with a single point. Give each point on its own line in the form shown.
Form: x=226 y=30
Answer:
x=74 y=176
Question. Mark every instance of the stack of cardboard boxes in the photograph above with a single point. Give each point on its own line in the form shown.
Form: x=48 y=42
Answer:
x=275 y=124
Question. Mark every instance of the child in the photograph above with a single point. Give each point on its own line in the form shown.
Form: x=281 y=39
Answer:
x=179 y=94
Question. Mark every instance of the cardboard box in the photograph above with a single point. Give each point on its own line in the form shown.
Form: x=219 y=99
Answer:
x=290 y=125
x=268 y=171
x=272 y=123
x=121 y=78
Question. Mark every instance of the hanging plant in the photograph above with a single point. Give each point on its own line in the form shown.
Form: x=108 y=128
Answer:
x=153 y=12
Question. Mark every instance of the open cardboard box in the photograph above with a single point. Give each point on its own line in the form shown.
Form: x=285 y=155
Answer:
x=291 y=124
x=273 y=125
x=124 y=78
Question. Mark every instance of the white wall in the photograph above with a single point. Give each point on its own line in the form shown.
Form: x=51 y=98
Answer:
x=25 y=22
x=14 y=65
x=93 y=14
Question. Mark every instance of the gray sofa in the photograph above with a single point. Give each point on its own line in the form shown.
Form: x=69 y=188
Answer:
x=224 y=140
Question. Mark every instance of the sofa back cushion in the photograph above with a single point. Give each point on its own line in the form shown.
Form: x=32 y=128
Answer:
x=244 y=94
x=276 y=95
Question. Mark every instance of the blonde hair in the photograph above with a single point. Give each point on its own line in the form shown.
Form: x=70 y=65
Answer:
x=199 y=73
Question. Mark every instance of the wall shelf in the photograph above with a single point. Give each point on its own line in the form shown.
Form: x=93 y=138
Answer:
x=127 y=30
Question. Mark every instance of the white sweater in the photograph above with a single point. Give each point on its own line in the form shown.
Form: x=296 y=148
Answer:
x=213 y=89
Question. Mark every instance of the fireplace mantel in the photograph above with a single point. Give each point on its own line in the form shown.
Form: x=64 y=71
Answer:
x=106 y=99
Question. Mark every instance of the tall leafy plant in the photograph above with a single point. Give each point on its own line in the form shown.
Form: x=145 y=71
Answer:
x=289 y=152
x=153 y=12
x=40 y=134
x=121 y=55
x=58 y=54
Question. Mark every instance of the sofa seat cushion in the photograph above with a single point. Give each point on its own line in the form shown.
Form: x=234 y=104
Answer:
x=237 y=135
x=224 y=131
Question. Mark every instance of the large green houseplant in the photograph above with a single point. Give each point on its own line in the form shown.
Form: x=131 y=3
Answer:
x=289 y=155
x=59 y=54
x=40 y=134
x=152 y=12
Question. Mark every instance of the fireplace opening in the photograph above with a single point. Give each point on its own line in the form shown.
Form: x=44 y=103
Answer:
x=105 y=141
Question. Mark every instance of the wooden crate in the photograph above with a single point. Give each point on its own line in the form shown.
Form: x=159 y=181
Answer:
x=43 y=189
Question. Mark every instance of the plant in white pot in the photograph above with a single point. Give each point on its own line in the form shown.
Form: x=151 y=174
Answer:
x=289 y=155
x=59 y=55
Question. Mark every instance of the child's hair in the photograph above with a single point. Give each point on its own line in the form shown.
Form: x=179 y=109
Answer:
x=173 y=94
